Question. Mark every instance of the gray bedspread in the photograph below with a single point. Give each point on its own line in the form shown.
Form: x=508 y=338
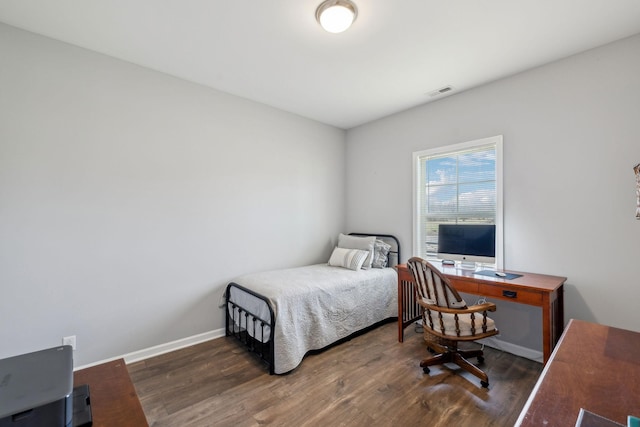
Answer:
x=317 y=305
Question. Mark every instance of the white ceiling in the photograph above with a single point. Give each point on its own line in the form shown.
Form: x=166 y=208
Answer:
x=274 y=52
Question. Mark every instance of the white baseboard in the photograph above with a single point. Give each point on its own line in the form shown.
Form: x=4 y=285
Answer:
x=518 y=350
x=157 y=350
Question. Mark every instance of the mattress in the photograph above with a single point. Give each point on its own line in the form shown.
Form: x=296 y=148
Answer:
x=316 y=305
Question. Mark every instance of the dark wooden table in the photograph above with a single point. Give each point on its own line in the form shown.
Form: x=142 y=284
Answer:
x=114 y=401
x=594 y=367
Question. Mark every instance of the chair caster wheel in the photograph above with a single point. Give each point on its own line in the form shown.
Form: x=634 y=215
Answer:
x=426 y=370
x=480 y=359
x=484 y=384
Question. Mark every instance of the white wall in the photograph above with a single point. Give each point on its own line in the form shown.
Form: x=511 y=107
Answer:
x=129 y=198
x=571 y=138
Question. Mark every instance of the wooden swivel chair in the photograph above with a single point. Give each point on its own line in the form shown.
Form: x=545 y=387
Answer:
x=447 y=319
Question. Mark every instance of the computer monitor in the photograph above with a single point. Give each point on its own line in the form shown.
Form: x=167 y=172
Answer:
x=469 y=243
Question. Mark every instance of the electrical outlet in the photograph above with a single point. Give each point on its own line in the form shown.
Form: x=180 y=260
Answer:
x=69 y=341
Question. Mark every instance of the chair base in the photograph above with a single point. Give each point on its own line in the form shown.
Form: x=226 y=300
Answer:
x=459 y=357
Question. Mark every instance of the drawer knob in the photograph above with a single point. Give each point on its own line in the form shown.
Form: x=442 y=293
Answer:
x=510 y=294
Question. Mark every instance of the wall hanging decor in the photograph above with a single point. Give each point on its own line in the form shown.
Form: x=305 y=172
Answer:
x=636 y=169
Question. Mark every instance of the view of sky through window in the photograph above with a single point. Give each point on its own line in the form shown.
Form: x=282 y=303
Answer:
x=462 y=184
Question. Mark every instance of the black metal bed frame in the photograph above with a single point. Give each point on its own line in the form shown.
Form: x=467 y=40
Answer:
x=247 y=321
x=239 y=321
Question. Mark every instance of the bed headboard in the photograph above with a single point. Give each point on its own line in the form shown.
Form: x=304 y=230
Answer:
x=394 y=252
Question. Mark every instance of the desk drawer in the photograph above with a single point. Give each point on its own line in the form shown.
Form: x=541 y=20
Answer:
x=510 y=294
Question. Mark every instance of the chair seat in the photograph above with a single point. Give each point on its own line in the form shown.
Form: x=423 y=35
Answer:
x=464 y=320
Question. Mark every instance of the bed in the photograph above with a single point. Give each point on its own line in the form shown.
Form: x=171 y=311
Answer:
x=282 y=315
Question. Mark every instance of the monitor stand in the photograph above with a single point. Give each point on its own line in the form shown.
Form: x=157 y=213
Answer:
x=467 y=265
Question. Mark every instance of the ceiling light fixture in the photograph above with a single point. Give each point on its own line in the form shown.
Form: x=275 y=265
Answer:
x=335 y=16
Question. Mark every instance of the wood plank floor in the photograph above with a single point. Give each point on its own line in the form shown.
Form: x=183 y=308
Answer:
x=371 y=380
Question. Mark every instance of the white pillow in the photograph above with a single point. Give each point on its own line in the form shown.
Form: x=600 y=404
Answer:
x=362 y=243
x=348 y=258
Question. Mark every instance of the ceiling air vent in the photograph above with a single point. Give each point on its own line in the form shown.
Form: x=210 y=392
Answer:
x=441 y=91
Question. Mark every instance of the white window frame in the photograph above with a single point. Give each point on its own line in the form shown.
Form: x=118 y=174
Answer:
x=417 y=202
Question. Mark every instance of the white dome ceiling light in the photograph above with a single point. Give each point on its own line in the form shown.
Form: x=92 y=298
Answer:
x=336 y=16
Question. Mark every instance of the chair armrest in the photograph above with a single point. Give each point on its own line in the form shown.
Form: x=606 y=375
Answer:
x=487 y=306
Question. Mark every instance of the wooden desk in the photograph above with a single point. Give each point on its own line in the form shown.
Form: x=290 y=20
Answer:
x=114 y=401
x=594 y=367
x=538 y=290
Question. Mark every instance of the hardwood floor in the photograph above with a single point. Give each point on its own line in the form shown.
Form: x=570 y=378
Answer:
x=372 y=380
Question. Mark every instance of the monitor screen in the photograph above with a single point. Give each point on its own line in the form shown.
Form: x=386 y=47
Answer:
x=467 y=242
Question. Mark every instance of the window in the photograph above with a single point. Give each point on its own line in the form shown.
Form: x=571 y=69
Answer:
x=457 y=184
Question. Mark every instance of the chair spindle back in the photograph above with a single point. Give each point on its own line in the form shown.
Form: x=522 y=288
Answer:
x=432 y=286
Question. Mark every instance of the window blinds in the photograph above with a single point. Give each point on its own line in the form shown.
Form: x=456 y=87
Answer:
x=455 y=187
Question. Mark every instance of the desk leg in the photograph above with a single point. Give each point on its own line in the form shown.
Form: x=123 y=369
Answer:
x=408 y=309
x=547 y=313
x=559 y=315
x=552 y=321
x=401 y=310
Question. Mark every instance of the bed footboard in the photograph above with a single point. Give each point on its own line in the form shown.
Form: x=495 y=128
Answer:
x=248 y=328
